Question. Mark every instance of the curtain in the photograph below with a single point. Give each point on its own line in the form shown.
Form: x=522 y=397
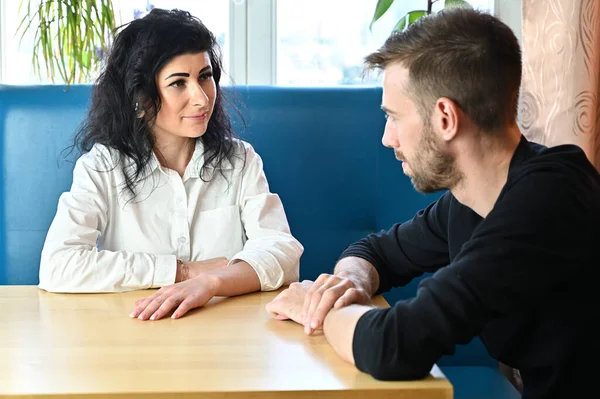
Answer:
x=561 y=71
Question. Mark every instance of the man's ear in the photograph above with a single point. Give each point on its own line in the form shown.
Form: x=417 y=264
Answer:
x=446 y=117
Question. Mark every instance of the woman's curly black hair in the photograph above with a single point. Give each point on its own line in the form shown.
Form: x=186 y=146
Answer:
x=140 y=49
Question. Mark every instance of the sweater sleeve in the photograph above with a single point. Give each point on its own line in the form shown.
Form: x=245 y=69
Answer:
x=410 y=249
x=535 y=236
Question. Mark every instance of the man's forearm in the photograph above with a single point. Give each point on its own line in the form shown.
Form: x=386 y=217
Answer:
x=339 y=329
x=361 y=271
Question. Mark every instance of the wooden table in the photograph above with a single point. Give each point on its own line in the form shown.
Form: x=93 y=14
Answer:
x=86 y=346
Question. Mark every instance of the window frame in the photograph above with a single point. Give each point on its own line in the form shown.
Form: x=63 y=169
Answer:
x=253 y=38
x=2 y=42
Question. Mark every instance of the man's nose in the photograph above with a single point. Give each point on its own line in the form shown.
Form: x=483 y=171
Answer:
x=389 y=136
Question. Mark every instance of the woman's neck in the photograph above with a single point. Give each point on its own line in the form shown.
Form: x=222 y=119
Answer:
x=175 y=154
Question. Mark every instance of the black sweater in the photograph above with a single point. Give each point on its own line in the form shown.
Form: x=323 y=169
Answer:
x=522 y=279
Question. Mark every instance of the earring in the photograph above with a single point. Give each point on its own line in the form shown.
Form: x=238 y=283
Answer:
x=139 y=112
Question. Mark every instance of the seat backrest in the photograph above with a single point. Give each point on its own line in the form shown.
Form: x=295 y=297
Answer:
x=323 y=155
x=321 y=149
x=36 y=125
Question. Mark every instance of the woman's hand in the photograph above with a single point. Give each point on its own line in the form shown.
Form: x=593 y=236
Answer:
x=180 y=297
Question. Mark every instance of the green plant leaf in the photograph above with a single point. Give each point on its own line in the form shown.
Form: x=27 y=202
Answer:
x=67 y=34
x=380 y=9
x=454 y=3
x=86 y=59
x=408 y=19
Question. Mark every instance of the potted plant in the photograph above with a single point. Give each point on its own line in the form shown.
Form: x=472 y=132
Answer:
x=71 y=36
x=411 y=16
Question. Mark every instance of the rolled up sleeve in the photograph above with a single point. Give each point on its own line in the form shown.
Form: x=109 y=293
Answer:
x=270 y=249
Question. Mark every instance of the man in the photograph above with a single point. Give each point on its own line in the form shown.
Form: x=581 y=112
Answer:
x=511 y=244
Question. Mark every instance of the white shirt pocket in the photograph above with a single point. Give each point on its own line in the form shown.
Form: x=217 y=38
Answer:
x=219 y=232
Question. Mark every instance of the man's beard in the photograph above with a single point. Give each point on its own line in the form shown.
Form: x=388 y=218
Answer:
x=433 y=169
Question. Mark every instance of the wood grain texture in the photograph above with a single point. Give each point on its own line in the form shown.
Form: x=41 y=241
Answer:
x=86 y=346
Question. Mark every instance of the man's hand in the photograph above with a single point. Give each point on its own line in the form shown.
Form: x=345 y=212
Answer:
x=288 y=304
x=328 y=292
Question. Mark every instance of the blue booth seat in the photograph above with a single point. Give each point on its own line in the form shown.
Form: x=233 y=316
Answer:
x=322 y=154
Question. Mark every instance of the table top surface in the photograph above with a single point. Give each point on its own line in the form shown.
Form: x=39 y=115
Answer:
x=85 y=345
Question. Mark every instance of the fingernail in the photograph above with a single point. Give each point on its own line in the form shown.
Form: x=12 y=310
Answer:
x=132 y=314
x=140 y=317
x=314 y=323
x=153 y=317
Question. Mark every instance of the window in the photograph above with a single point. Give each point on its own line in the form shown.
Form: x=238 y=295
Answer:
x=16 y=59
x=327 y=47
x=213 y=13
x=284 y=42
x=323 y=42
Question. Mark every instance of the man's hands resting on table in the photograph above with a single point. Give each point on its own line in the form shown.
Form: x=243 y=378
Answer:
x=308 y=303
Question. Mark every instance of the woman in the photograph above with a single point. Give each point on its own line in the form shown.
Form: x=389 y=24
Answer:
x=163 y=193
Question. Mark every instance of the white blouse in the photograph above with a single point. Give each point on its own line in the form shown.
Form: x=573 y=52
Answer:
x=103 y=241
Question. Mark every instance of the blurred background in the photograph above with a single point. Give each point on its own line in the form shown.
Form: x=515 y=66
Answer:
x=270 y=42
